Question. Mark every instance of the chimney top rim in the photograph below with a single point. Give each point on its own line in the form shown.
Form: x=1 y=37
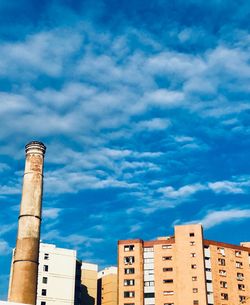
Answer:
x=35 y=144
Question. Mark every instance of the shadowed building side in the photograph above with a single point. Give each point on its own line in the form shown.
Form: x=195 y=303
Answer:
x=25 y=264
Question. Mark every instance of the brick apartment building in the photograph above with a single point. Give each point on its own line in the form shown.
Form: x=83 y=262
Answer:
x=184 y=269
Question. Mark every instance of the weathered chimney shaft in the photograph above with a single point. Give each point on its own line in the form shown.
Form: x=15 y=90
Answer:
x=23 y=288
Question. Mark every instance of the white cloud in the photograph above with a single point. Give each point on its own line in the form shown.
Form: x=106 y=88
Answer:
x=7 y=228
x=43 y=52
x=183 y=192
x=214 y=218
x=5 y=249
x=73 y=239
x=228 y=187
x=154 y=124
x=51 y=213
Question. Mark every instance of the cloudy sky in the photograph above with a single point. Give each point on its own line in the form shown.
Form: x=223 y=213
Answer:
x=144 y=109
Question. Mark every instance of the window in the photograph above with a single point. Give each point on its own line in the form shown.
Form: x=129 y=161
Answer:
x=148 y=260
x=193 y=254
x=169 y=292
x=241 y=287
x=240 y=276
x=223 y=272
x=196 y=302
x=129 y=294
x=149 y=249
x=166 y=246
x=43 y=303
x=149 y=272
x=44 y=292
x=129 y=260
x=194 y=266
x=194 y=278
x=129 y=270
x=237 y=253
x=192 y=243
x=45 y=280
x=168 y=281
x=191 y=234
x=129 y=282
x=167 y=269
x=208 y=269
x=168 y=303
x=221 y=251
x=223 y=284
x=149 y=295
x=224 y=296
x=128 y=248
x=129 y=303
x=242 y=298
x=45 y=268
x=195 y=290
x=149 y=283
x=238 y=264
x=46 y=256
x=221 y=261
x=167 y=258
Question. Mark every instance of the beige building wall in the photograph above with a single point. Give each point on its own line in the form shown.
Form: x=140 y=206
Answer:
x=89 y=283
x=190 y=283
x=130 y=272
x=107 y=287
x=10 y=303
x=230 y=273
x=184 y=269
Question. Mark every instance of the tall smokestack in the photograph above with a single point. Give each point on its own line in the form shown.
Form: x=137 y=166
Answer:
x=23 y=288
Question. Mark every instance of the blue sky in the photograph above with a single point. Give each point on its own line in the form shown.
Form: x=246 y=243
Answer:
x=144 y=109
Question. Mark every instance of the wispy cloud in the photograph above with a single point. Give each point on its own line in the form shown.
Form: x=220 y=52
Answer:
x=5 y=248
x=214 y=218
x=51 y=213
x=137 y=120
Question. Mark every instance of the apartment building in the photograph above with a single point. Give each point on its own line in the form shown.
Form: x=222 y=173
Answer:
x=56 y=276
x=89 y=283
x=107 y=287
x=184 y=269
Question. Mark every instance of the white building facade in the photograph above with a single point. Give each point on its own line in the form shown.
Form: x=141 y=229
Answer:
x=56 y=276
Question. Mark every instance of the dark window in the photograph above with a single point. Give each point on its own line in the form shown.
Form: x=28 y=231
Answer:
x=129 y=294
x=128 y=248
x=224 y=296
x=222 y=261
x=45 y=280
x=44 y=292
x=45 y=268
x=149 y=295
x=43 y=303
x=46 y=255
x=167 y=269
x=129 y=282
x=129 y=270
x=128 y=260
x=168 y=281
x=167 y=258
x=191 y=234
x=196 y=302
